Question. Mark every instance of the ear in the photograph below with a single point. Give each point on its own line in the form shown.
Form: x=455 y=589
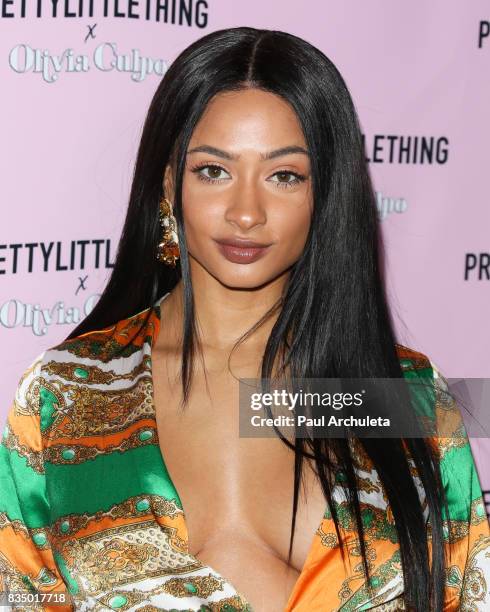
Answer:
x=168 y=184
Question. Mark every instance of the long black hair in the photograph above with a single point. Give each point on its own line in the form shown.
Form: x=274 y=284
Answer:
x=334 y=302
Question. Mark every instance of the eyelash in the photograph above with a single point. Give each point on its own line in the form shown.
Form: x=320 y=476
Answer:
x=299 y=178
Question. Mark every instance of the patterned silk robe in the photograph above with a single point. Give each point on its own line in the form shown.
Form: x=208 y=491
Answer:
x=91 y=520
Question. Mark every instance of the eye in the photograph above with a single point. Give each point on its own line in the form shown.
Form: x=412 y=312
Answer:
x=297 y=178
x=214 y=173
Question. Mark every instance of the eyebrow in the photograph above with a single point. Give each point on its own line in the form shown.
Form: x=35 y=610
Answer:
x=263 y=156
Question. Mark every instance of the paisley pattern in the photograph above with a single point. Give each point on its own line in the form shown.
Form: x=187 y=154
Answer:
x=88 y=509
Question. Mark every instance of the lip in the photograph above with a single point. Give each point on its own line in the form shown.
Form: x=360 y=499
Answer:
x=238 y=242
x=242 y=254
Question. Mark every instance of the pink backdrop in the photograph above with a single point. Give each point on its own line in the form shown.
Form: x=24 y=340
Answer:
x=70 y=124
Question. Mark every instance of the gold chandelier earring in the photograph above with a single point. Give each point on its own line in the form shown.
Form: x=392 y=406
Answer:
x=168 y=248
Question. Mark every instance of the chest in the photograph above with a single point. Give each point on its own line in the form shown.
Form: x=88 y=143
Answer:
x=235 y=491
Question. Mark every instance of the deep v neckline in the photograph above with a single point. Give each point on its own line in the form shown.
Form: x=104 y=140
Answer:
x=153 y=336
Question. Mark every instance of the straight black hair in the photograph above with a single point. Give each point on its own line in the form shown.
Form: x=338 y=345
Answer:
x=334 y=303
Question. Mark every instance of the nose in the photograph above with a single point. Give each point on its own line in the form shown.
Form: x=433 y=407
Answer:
x=246 y=208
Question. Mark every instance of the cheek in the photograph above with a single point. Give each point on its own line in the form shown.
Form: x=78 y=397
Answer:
x=290 y=229
x=197 y=203
x=201 y=218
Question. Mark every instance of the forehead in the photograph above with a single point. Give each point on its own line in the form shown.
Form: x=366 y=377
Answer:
x=247 y=118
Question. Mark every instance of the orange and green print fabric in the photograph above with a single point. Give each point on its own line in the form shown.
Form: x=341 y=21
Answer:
x=91 y=520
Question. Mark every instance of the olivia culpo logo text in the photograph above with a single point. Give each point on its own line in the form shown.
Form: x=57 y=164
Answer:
x=106 y=58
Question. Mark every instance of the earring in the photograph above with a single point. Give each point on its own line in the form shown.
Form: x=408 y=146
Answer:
x=168 y=249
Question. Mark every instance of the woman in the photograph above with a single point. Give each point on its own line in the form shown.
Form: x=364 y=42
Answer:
x=251 y=136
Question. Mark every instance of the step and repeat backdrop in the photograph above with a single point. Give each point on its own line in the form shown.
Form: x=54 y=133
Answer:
x=76 y=80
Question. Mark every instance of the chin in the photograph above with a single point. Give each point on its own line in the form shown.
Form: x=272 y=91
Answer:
x=234 y=282
x=245 y=279
x=240 y=276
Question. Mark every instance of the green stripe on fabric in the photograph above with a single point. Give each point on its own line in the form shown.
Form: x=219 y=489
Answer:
x=100 y=483
x=459 y=471
x=22 y=490
x=48 y=403
x=72 y=584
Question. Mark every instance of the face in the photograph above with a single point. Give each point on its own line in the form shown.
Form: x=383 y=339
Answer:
x=247 y=176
